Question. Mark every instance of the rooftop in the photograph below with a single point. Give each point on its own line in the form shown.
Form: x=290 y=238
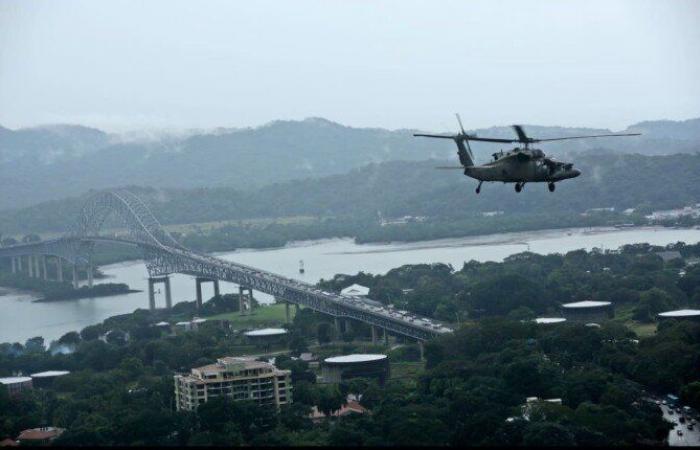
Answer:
x=550 y=320
x=670 y=255
x=228 y=361
x=39 y=434
x=586 y=304
x=351 y=407
x=355 y=358
x=356 y=290
x=267 y=332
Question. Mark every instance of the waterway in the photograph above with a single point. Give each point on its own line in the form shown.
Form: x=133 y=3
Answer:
x=22 y=318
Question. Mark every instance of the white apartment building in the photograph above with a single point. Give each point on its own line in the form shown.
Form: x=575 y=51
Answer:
x=239 y=378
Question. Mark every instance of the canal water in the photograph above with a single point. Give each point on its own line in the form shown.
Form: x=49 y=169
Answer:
x=22 y=318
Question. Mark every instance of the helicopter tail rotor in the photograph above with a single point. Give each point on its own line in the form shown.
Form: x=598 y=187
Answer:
x=466 y=158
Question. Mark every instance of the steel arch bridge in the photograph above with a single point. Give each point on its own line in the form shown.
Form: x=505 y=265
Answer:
x=163 y=255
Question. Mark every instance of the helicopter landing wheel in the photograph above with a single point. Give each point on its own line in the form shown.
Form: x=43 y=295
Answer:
x=478 y=188
x=518 y=187
x=552 y=187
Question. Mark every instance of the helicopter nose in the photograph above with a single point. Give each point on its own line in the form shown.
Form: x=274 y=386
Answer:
x=575 y=173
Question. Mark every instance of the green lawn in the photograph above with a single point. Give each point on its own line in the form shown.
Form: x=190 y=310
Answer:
x=624 y=315
x=399 y=370
x=262 y=316
x=642 y=329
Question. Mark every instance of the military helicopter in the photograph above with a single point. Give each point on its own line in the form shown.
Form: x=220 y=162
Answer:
x=520 y=165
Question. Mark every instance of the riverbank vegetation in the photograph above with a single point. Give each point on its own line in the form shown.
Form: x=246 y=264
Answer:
x=55 y=291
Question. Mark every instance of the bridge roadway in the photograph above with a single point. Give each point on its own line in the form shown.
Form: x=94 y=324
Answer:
x=298 y=292
x=163 y=255
x=164 y=260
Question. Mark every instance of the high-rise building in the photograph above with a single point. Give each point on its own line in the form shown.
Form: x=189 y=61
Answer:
x=238 y=378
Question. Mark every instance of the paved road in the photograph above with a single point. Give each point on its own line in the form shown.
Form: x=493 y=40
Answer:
x=689 y=437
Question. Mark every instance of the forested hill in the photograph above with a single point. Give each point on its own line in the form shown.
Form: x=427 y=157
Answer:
x=39 y=164
x=395 y=189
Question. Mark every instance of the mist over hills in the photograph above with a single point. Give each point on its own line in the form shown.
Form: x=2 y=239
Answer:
x=53 y=162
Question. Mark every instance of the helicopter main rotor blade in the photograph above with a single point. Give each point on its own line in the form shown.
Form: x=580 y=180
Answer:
x=449 y=167
x=522 y=137
x=467 y=138
x=480 y=139
x=589 y=136
x=439 y=136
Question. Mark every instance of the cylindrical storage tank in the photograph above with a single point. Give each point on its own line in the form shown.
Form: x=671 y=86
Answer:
x=44 y=379
x=15 y=385
x=588 y=311
x=549 y=320
x=681 y=314
x=340 y=368
x=265 y=337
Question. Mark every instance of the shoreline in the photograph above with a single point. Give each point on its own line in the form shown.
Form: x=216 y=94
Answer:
x=449 y=242
x=49 y=300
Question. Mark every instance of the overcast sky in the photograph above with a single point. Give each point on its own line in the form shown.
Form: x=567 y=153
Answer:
x=125 y=65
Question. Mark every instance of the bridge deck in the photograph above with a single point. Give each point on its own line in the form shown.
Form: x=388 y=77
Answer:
x=163 y=260
x=338 y=305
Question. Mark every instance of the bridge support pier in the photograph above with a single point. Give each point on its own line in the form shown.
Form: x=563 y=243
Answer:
x=30 y=265
x=168 y=295
x=89 y=275
x=75 y=276
x=386 y=338
x=59 y=269
x=338 y=330
x=374 y=333
x=199 y=293
x=286 y=311
x=199 y=281
x=152 y=292
x=19 y=264
x=14 y=264
x=36 y=267
x=245 y=300
x=421 y=347
x=43 y=268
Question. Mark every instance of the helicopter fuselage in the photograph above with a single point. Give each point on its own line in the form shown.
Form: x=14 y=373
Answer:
x=520 y=166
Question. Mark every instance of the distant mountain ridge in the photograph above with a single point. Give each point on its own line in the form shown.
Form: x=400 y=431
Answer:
x=50 y=162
